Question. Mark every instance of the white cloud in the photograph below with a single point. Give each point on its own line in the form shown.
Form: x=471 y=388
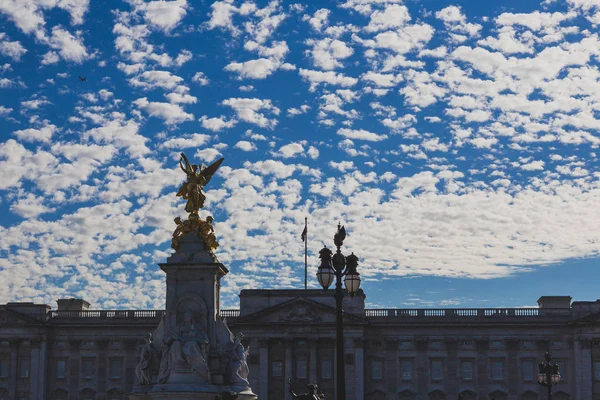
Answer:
x=244 y=145
x=290 y=150
x=317 y=77
x=12 y=49
x=193 y=140
x=217 y=124
x=327 y=53
x=361 y=134
x=43 y=134
x=165 y=15
x=69 y=47
x=393 y=16
x=254 y=69
x=170 y=113
x=319 y=20
x=156 y=79
x=248 y=110
x=200 y=78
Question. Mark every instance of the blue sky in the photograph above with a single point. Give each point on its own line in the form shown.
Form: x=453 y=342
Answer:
x=457 y=141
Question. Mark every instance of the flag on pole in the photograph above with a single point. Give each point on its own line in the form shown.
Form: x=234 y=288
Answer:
x=304 y=233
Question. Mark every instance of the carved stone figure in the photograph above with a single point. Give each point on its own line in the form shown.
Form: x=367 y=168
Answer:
x=186 y=349
x=143 y=368
x=197 y=178
x=239 y=365
x=313 y=393
x=204 y=229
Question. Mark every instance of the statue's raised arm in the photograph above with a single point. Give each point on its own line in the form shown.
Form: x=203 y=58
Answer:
x=185 y=165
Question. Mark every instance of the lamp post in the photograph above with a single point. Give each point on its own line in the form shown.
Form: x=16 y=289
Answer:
x=549 y=374
x=339 y=266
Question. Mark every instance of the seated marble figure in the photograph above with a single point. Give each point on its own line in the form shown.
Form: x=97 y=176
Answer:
x=185 y=350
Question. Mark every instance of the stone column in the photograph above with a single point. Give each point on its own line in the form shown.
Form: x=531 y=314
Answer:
x=513 y=368
x=482 y=346
x=43 y=366
x=14 y=369
x=452 y=368
x=312 y=370
x=390 y=367
x=583 y=367
x=288 y=367
x=359 y=369
x=263 y=386
x=130 y=363
x=35 y=391
x=102 y=365
x=422 y=367
x=74 y=369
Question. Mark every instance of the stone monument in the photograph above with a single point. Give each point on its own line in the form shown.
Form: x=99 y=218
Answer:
x=192 y=354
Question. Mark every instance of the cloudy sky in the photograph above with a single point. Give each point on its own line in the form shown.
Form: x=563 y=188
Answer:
x=457 y=141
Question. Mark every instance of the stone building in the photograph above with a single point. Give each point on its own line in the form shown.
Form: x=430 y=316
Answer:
x=75 y=352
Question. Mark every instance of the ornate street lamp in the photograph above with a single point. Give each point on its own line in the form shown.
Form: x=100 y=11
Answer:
x=549 y=374
x=339 y=266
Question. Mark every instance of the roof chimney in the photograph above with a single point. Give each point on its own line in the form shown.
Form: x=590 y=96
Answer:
x=72 y=305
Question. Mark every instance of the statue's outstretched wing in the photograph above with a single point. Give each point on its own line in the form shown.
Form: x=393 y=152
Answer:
x=185 y=166
x=209 y=171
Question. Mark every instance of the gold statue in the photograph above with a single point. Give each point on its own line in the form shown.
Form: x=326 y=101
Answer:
x=197 y=178
x=191 y=190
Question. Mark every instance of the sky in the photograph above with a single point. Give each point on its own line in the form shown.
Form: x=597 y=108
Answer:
x=457 y=141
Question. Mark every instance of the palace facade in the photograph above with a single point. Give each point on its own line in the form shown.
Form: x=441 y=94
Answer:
x=75 y=352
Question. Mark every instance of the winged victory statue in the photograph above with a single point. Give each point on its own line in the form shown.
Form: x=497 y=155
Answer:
x=197 y=178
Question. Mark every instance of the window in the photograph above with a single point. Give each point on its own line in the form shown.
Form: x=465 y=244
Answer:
x=406 y=366
x=466 y=370
x=497 y=367
x=61 y=369
x=87 y=368
x=24 y=368
x=376 y=370
x=527 y=371
x=406 y=344
x=436 y=344
x=437 y=373
x=496 y=344
x=597 y=370
x=4 y=368
x=326 y=369
x=466 y=343
x=528 y=343
x=277 y=369
x=377 y=344
x=301 y=369
x=115 y=368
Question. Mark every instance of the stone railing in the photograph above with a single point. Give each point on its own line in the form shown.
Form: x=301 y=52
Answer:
x=466 y=312
x=230 y=313
x=107 y=314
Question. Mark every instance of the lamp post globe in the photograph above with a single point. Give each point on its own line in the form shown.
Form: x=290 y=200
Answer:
x=335 y=267
x=549 y=374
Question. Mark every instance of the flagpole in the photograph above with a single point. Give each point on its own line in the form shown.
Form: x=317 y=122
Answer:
x=306 y=254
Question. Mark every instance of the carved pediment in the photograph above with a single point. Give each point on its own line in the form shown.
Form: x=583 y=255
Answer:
x=296 y=311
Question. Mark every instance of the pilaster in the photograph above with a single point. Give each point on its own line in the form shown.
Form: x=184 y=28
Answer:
x=452 y=368
x=513 y=367
x=14 y=368
x=74 y=369
x=263 y=386
x=312 y=371
x=359 y=368
x=288 y=367
x=422 y=367
x=390 y=371
x=482 y=345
